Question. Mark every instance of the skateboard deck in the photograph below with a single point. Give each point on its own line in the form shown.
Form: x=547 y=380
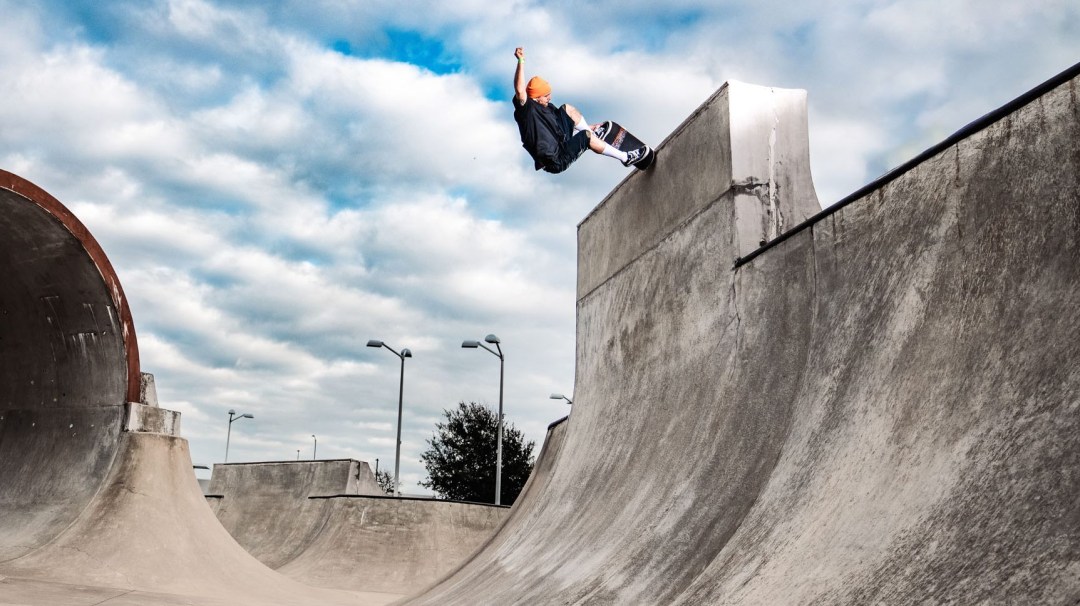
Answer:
x=621 y=139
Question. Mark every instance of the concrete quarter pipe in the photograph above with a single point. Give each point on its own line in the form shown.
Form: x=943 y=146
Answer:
x=98 y=502
x=329 y=524
x=883 y=407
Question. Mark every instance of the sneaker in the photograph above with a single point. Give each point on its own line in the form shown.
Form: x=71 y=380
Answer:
x=602 y=129
x=635 y=155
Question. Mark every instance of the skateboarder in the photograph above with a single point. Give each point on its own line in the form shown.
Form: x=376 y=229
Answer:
x=555 y=138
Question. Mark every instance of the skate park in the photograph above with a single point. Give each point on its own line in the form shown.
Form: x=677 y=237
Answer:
x=774 y=404
x=328 y=523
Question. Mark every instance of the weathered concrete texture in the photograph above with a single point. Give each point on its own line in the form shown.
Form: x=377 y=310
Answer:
x=149 y=530
x=315 y=522
x=936 y=457
x=97 y=498
x=266 y=506
x=392 y=545
x=65 y=365
x=747 y=144
x=884 y=408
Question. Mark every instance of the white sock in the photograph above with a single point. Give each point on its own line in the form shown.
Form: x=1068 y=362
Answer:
x=611 y=152
x=581 y=125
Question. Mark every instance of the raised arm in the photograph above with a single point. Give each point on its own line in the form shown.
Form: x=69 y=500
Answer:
x=519 y=77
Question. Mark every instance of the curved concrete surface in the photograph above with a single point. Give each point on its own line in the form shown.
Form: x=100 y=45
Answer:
x=97 y=497
x=880 y=408
x=328 y=524
x=68 y=363
x=266 y=506
x=392 y=545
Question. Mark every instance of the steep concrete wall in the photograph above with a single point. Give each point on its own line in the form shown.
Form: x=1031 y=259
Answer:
x=880 y=408
x=68 y=364
x=936 y=457
x=672 y=434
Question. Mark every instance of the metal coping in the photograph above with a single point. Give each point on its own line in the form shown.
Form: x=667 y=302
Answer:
x=391 y=497
x=50 y=205
x=965 y=132
x=291 y=462
x=555 y=424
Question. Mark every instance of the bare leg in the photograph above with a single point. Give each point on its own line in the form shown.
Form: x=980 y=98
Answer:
x=574 y=114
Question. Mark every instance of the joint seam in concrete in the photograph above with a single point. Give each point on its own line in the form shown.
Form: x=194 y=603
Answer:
x=971 y=129
x=678 y=130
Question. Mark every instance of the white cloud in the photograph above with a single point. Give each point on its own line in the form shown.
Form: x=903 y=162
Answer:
x=270 y=204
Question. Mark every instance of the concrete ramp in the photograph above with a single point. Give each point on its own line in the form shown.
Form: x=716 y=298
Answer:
x=882 y=405
x=98 y=502
x=68 y=362
x=328 y=524
x=392 y=544
x=267 y=507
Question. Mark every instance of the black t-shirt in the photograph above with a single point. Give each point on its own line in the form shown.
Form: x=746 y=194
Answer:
x=543 y=130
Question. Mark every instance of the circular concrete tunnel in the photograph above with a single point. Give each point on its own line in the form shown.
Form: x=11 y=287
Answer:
x=68 y=364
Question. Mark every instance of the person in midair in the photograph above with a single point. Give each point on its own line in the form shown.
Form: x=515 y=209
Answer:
x=556 y=137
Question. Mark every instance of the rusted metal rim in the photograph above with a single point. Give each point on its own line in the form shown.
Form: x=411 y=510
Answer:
x=71 y=223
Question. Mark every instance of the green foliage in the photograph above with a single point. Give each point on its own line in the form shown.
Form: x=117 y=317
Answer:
x=461 y=459
x=385 y=480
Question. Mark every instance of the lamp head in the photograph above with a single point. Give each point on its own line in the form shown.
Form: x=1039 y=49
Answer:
x=231 y=412
x=374 y=343
x=247 y=416
x=492 y=339
x=470 y=344
x=405 y=353
x=557 y=396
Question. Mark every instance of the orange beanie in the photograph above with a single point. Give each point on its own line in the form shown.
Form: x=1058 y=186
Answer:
x=537 y=87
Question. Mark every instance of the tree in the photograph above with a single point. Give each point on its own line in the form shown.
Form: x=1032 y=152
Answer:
x=385 y=481
x=461 y=459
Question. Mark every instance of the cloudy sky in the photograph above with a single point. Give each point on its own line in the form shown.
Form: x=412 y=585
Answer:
x=278 y=182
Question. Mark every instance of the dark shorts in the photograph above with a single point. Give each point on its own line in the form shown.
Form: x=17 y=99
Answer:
x=570 y=149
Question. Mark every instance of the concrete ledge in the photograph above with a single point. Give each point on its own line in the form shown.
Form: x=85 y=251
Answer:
x=746 y=144
x=141 y=418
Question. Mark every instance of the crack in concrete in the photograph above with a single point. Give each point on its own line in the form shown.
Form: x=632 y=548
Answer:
x=113 y=597
x=767 y=194
x=738 y=321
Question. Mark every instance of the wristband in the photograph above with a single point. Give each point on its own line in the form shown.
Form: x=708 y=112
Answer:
x=521 y=60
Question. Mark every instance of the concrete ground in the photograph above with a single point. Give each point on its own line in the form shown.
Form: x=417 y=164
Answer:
x=37 y=592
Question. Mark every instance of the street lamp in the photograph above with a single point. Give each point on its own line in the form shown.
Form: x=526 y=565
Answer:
x=405 y=353
x=559 y=396
x=228 y=435
x=498 y=448
x=315 y=449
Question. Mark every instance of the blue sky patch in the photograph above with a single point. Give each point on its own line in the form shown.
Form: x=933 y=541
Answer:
x=403 y=46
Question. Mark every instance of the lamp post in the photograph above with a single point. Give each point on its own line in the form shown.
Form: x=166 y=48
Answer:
x=559 y=396
x=228 y=434
x=498 y=445
x=405 y=353
x=315 y=449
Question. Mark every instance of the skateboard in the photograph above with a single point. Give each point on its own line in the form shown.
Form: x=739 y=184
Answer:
x=618 y=137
